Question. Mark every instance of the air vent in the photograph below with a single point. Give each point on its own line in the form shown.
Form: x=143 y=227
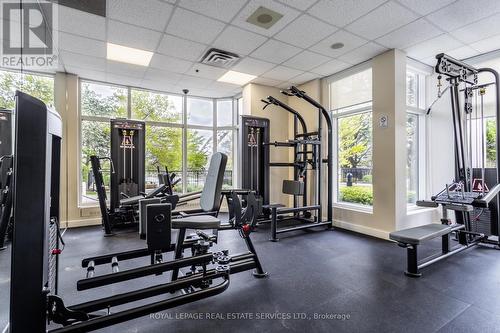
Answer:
x=220 y=58
x=264 y=17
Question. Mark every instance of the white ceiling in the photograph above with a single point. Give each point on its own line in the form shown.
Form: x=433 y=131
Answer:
x=295 y=50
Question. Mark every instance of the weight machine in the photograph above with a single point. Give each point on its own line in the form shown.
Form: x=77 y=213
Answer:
x=307 y=156
x=6 y=170
x=35 y=305
x=473 y=194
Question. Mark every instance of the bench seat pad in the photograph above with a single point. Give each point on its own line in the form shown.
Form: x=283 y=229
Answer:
x=196 y=222
x=420 y=234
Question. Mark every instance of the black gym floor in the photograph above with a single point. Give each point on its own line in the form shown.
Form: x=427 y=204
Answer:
x=318 y=273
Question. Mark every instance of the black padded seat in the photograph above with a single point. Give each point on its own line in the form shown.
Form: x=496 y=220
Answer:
x=417 y=235
x=197 y=222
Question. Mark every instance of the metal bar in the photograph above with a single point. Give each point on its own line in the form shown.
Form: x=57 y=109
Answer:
x=446 y=255
x=140 y=294
x=274 y=222
x=303 y=227
x=126 y=315
x=297 y=209
x=134 y=273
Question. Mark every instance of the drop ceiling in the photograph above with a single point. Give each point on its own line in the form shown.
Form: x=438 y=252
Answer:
x=294 y=50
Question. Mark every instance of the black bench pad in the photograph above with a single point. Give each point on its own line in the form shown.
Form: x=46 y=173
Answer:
x=420 y=234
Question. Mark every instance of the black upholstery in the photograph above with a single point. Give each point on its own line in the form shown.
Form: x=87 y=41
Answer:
x=211 y=196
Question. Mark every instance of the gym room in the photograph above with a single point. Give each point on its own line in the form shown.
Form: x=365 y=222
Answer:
x=249 y=166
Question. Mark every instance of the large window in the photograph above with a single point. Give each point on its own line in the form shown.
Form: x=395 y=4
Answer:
x=39 y=86
x=182 y=133
x=415 y=154
x=350 y=103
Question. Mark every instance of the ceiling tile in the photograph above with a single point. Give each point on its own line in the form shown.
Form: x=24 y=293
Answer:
x=132 y=36
x=305 y=31
x=342 y=12
x=415 y=32
x=431 y=61
x=487 y=45
x=170 y=64
x=193 y=26
x=86 y=73
x=81 y=23
x=331 y=67
x=120 y=68
x=122 y=80
x=275 y=51
x=362 y=53
x=284 y=85
x=462 y=52
x=424 y=7
x=289 y=14
x=149 y=14
x=181 y=48
x=82 y=45
x=382 y=20
x=83 y=61
x=266 y=82
x=223 y=10
x=306 y=60
x=239 y=41
x=206 y=72
x=463 y=12
x=478 y=30
x=160 y=86
x=253 y=66
x=189 y=82
x=159 y=75
x=282 y=73
x=299 y=4
x=349 y=40
x=303 y=78
x=433 y=46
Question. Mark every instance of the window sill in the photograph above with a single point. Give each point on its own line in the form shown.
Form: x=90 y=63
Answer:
x=354 y=207
x=414 y=209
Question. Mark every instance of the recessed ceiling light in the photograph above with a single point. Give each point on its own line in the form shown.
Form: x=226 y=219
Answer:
x=336 y=46
x=128 y=55
x=236 y=78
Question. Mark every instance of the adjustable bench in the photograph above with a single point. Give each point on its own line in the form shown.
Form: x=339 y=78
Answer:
x=412 y=237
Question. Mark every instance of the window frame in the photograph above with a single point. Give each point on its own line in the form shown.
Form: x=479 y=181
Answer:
x=420 y=111
x=183 y=125
x=336 y=115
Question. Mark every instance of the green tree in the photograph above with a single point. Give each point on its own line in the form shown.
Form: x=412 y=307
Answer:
x=41 y=87
x=491 y=142
x=355 y=144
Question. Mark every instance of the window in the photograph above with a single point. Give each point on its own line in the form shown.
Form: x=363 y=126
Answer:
x=36 y=85
x=99 y=103
x=181 y=133
x=415 y=152
x=200 y=111
x=350 y=102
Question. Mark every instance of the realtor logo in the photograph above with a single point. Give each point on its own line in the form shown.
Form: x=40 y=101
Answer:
x=29 y=33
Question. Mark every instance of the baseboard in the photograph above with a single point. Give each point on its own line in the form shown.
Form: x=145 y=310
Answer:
x=81 y=223
x=361 y=229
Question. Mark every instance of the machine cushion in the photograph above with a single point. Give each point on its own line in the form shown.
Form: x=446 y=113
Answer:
x=210 y=197
x=420 y=234
x=196 y=222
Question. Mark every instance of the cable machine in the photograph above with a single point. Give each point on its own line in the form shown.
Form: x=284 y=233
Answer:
x=473 y=193
x=128 y=159
x=6 y=173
